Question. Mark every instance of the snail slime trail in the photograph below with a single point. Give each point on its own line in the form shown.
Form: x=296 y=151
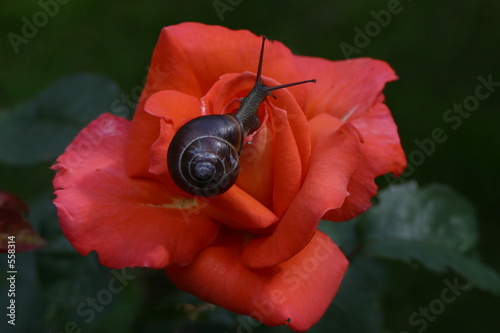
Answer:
x=203 y=157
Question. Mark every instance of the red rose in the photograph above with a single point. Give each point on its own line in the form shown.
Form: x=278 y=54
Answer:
x=254 y=249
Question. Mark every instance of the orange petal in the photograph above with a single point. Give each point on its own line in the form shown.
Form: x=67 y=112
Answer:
x=295 y=293
x=145 y=129
x=190 y=57
x=382 y=153
x=343 y=88
x=336 y=155
x=242 y=210
x=297 y=121
x=127 y=221
x=175 y=107
x=172 y=109
x=256 y=167
x=287 y=163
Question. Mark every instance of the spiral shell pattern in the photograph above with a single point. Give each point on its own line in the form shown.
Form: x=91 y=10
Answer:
x=203 y=155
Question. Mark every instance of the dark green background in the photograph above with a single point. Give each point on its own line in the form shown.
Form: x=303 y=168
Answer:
x=438 y=49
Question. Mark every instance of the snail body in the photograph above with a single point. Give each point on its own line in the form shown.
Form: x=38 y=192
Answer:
x=203 y=156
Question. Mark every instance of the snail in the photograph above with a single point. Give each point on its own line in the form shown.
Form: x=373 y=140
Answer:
x=203 y=156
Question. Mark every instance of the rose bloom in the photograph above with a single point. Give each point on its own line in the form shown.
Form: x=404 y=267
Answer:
x=255 y=249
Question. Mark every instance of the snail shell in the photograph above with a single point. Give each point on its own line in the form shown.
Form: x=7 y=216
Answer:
x=208 y=148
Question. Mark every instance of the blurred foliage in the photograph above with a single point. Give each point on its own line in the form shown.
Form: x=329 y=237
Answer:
x=54 y=117
x=438 y=48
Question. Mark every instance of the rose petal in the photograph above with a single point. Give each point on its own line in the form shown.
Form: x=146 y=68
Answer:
x=241 y=210
x=382 y=147
x=382 y=153
x=287 y=164
x=127 y=221
x=173 y=109
x=256 y=167
x=298 y=123
x=158 y=156
x=193 y=64
x=336 y=155
x=296 y=292
x=145 y=129
x=343 y=89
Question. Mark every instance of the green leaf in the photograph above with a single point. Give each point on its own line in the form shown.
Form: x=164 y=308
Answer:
x=437 y=260
x=433 y=215
x=41 y=129
x=433 y=226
